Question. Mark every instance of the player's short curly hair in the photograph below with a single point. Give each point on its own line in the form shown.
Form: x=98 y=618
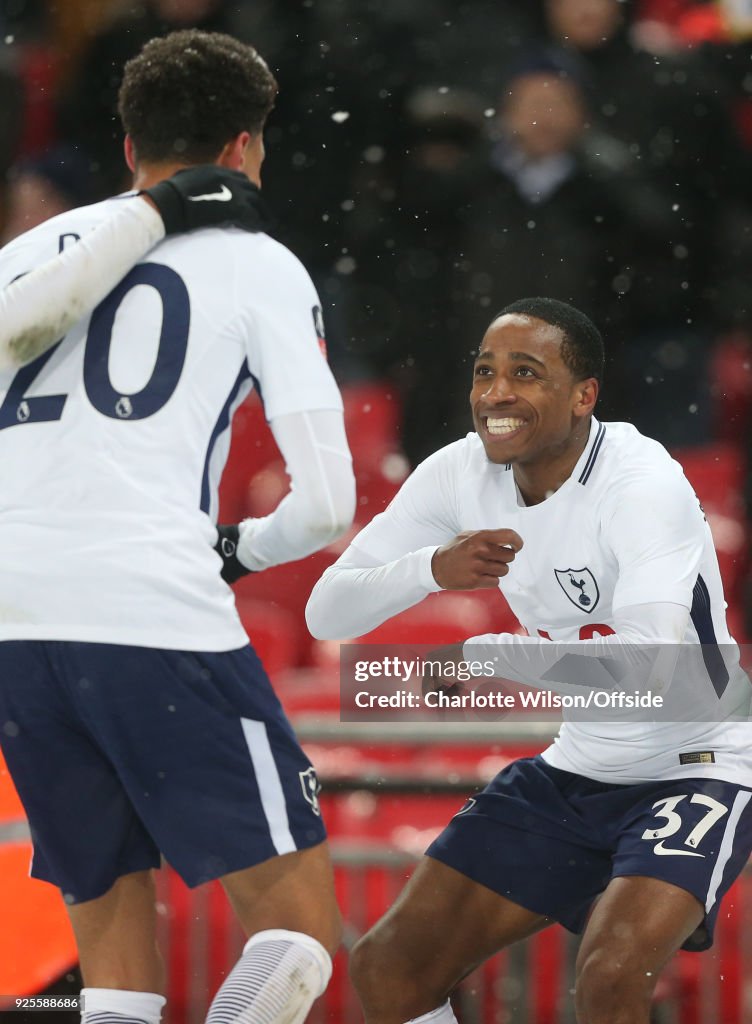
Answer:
x=189 y=93
x=582 y=346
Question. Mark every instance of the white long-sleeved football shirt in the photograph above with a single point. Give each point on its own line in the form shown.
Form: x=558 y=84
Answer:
x=617 y=562
x=113 y=442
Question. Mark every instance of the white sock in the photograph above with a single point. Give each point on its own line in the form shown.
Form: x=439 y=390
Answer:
x=119 y=1006
x=275 y=981
x=442 y=1015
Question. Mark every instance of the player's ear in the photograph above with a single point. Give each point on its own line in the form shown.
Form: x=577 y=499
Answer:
x=130 y=153
x=586 y=396
x=233 y=153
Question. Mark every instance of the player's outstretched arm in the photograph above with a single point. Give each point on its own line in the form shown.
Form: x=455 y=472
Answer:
x=358 y=593
x=412 y=549
x=319 y=507
x=73 y=283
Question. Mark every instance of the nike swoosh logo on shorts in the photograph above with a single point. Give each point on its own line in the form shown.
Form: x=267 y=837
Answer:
x=223 y=196
x=661 y=850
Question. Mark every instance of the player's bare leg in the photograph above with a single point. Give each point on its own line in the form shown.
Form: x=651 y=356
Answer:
x=121 y=965
x=294 y=891
x=636 y=926
x=287 y=907
x=441 y=926
x=116 y=936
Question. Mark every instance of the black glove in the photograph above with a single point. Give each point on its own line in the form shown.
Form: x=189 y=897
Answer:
x=226 y=547
x=206 y=196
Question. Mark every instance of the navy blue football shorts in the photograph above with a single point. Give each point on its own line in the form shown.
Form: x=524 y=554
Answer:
x=551 y=841
x=119 y=753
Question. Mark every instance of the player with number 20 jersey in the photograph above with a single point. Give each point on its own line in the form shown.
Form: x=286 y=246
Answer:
x=113 y=443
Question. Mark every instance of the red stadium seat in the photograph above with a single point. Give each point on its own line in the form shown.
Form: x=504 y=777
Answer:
x=263 y=490
x=255 y=480
x=446 y=618
x=372 y=420
x=731 y=387
x=376 y=484
x=287 y=587
x=717 y=473
x=39 y=72
x=252 y=448
x=306 y=691
x=273 y=631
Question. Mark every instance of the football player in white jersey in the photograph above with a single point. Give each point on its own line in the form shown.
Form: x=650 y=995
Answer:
x=135 y=718
x=627 y=830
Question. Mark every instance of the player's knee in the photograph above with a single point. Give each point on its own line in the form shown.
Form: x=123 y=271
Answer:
x=379 y=971
x=370 y=962
x=608 y=990
x=362 y=966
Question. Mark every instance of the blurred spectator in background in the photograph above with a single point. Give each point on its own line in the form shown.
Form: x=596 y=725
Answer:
x=722 y=33
x=88 y=107
x=11 y=106
x=311 y=149
x=41 y=187
x=415 y=189
x=10 y=123
x=469 y=44
x=645 y=183
x=14 y=101
x=673 y=112
x=670 y=109
x=404 y=234
x=356 y=64
x=28 y=44
x=719 y=34
x=563 y=208
x=452 y=224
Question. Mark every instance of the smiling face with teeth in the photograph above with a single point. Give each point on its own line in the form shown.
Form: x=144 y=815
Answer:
x=529 y=408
